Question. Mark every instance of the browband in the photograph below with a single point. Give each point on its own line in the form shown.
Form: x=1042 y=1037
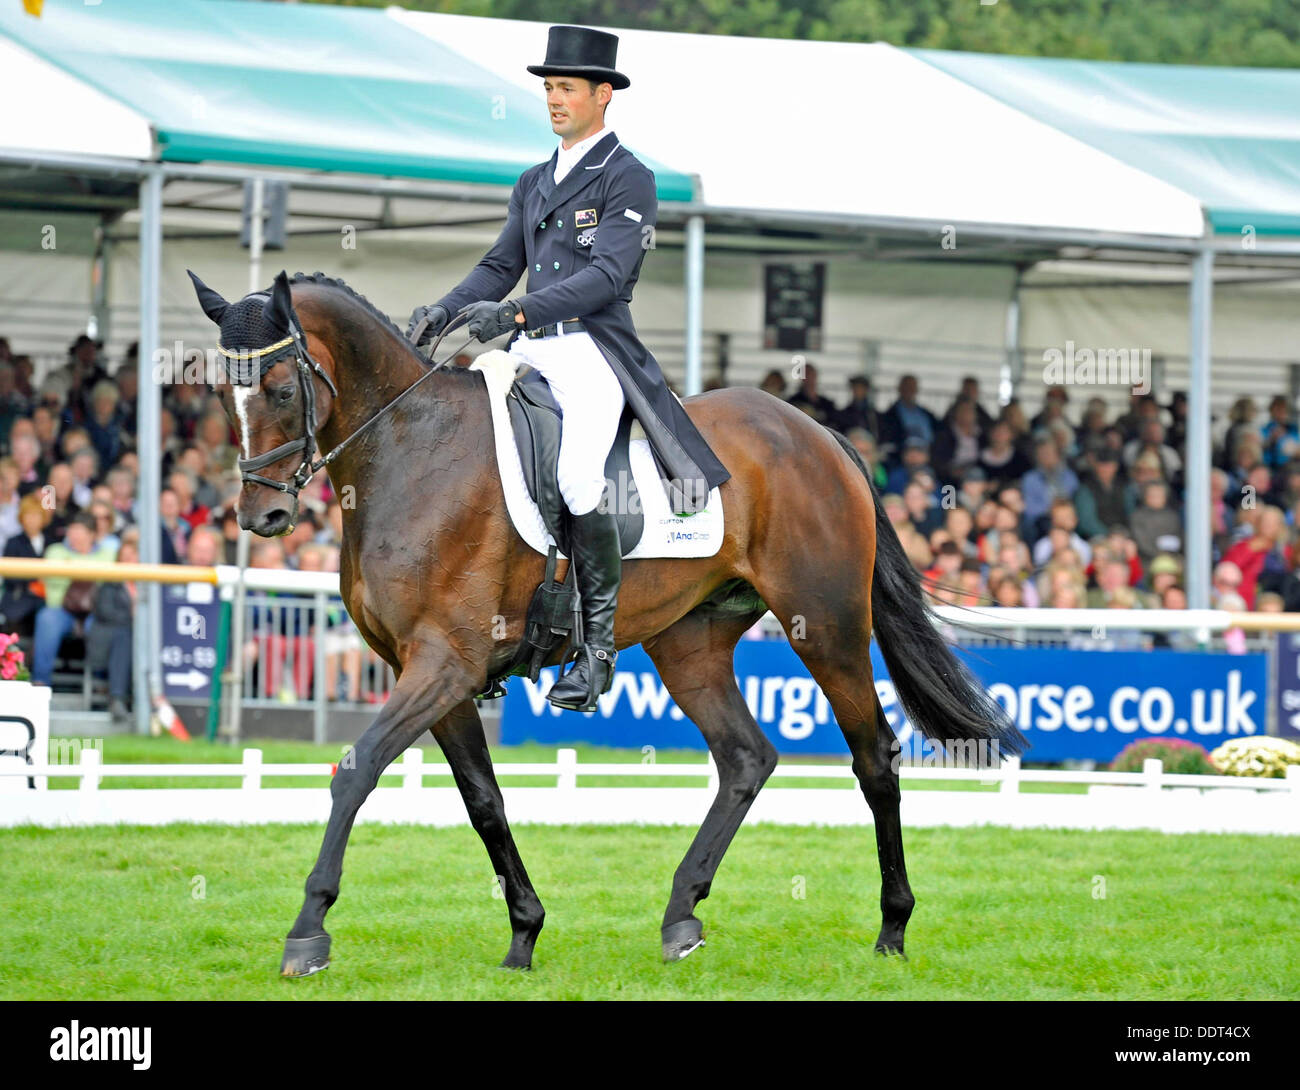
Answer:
x=267 y=356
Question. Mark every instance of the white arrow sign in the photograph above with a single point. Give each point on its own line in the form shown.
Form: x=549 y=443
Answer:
x=191 y=679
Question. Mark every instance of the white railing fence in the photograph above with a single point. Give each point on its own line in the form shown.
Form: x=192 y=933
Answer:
x=1150 y=799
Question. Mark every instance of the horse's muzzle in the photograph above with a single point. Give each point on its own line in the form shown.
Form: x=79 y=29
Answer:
x=273 y=522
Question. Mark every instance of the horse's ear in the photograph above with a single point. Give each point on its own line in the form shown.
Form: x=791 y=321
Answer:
x=279 y=307
x=213 y=305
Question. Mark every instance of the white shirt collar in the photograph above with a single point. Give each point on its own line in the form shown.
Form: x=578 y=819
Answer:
x=567 y=158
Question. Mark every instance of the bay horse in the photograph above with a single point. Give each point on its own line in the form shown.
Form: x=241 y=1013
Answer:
x=438 y=582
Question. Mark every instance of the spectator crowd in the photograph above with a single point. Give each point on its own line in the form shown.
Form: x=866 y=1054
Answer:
x=69 y=473
x=1070 y=508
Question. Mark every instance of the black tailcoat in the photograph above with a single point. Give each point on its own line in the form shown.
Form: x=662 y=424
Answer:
x=582 y=243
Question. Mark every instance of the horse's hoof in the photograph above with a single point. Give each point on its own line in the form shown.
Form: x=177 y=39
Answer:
x=682 y=939
x=520 y=957
x=302 y=957
x=520 y=954
x=886 y=950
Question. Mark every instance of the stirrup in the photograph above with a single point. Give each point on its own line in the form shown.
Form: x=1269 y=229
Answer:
x=587 y=655
x=495 y=688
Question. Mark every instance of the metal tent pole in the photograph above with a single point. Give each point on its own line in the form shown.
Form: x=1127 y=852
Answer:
x=148 y=620
x=234 y=678
x=694 y=304
x=1011 y=371
x=1196 y=527
x=100 y=263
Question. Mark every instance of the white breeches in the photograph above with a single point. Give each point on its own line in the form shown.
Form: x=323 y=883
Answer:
x=591 y=399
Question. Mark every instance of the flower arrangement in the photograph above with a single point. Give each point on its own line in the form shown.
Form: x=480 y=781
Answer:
x=1261 y=756
x=1179 y=756
x=13 y=665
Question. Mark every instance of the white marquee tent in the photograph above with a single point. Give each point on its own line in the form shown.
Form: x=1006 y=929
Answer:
x=843 y=129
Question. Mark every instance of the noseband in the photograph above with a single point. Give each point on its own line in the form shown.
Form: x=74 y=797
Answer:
x=306 y=443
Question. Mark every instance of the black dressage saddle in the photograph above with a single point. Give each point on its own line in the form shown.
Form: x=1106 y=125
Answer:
x=555 y=613
x=536 y=420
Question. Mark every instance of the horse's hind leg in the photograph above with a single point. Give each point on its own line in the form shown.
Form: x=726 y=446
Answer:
x=460 y=735
x=875 y=763
x=695 y=661
x=837 y=653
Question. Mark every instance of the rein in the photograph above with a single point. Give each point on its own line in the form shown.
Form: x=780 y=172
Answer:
x=307 y=442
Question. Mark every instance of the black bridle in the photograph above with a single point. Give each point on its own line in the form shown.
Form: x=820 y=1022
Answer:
x=307 y=441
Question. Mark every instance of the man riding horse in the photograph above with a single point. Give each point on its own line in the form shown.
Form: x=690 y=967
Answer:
x=580 y=224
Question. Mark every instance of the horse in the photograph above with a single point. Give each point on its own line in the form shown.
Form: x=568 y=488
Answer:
x=438 y=582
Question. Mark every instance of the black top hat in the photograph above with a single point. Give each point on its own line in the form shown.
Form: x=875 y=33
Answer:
x=580 y=51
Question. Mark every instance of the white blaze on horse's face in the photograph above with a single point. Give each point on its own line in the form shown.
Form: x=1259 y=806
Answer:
x=242 y=394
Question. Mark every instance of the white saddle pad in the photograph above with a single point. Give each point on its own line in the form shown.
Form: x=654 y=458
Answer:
x=665 y=534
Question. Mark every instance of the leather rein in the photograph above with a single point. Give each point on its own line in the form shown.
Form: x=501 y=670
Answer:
x=307 y=441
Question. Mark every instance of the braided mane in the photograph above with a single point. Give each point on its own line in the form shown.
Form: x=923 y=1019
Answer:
x=334 y=282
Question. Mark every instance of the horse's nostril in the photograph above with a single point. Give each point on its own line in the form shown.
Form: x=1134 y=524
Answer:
x=274 y=522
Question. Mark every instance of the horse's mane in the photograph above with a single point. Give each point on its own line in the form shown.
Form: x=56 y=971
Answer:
x=370 y=308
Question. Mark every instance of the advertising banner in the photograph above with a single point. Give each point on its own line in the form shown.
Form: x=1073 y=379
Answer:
x=1071 y=704
x=1288 y=684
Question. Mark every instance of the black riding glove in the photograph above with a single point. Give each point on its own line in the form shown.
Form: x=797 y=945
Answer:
x=438 y=319
x=488 y=320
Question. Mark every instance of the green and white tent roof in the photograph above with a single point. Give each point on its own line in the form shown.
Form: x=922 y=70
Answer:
x=870 y=130
x=840 y=130
x=285 y=85
x=1230 y=137
x=48 y=109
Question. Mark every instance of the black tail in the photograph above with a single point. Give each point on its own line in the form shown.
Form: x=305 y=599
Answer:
x=940 y=696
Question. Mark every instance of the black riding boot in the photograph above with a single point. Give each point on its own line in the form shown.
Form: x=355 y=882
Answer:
x=598 y=556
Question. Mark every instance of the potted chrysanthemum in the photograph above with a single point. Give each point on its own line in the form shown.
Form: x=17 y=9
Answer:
x=13 y=664
x=23 y=704
x=1260 y=755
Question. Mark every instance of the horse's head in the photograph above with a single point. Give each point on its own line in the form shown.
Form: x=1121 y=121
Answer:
x=276 y=394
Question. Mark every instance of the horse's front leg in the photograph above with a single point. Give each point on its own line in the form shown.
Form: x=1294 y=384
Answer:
x=431 y=685
x=460 y=735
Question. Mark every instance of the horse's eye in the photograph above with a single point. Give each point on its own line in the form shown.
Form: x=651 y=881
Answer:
x=286 y=393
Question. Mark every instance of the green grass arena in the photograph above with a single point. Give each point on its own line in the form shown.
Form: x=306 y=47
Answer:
x=200 y=912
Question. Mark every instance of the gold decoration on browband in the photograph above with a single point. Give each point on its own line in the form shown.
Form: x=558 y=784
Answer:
x=256 y=352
